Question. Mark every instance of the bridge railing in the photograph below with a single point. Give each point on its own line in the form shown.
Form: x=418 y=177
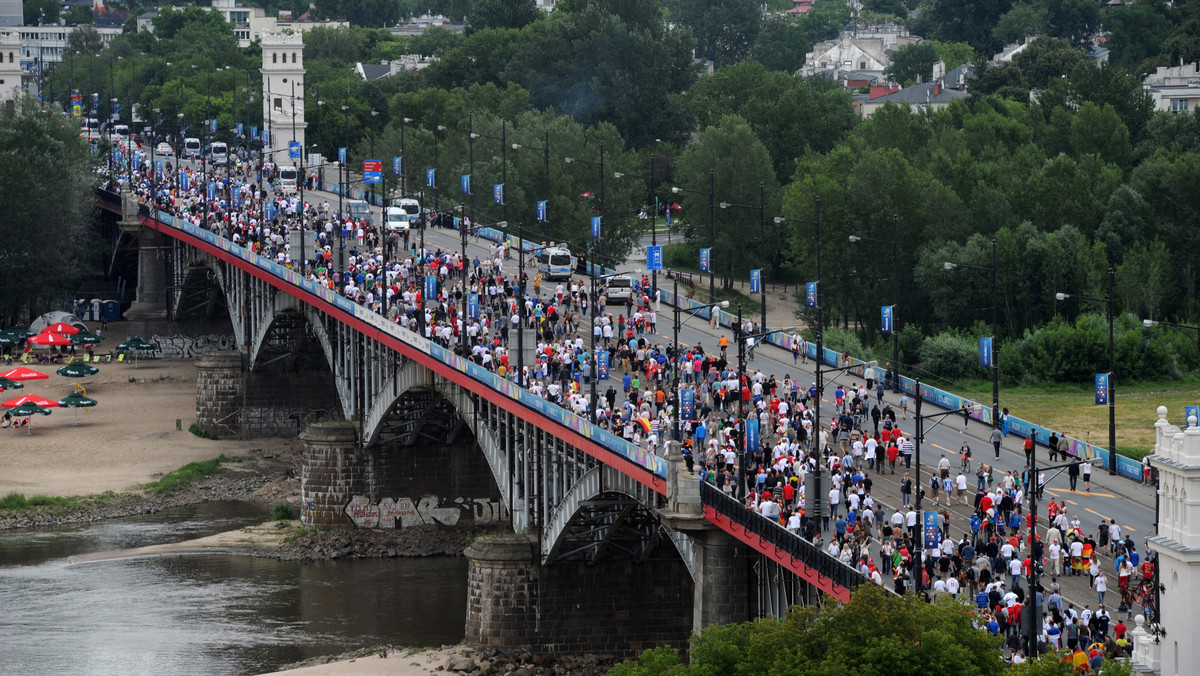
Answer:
x=779 y=540
x=502 y=386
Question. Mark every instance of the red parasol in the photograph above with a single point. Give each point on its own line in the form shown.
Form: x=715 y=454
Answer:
x=29 y=399
x=60 y=327
x=47 y=339
x=22 y=373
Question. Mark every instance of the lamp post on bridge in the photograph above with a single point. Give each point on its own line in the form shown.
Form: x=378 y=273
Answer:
x=678 y=436
x=597 y=235
x=895 y=328
x=762 y=240
x=712 y=226
x=995 y=328
x=1112 y=369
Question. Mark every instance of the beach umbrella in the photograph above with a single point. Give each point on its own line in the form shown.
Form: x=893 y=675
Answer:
x=77 y=400
x=63 y=328
x=27 y=410
x=86 y=338
x=29 y=399
x=23 y=373
x=45 y=339
x=77 y=369
x=7 y=384
x=135 y=344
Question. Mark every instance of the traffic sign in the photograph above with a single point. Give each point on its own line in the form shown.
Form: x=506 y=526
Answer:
x=372 y=171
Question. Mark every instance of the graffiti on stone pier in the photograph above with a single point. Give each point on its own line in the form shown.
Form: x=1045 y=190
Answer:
x=425 y=511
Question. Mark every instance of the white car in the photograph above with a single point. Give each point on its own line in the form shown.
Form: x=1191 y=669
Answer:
x=164 y=149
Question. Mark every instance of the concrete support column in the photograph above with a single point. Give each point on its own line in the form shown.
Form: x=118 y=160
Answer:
x=333 y=470
x=722 y=580
x=220 y=389
x=150 y=299
x=502 y=591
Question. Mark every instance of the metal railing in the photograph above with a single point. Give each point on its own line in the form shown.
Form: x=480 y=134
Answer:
x=781 y=540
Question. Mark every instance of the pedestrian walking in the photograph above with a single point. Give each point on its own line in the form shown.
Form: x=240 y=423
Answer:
x=997 y=437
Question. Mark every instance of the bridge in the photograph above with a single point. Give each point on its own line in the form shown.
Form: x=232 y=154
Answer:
x=598 y=530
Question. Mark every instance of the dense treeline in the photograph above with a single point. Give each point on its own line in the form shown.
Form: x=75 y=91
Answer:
x=1080 y=177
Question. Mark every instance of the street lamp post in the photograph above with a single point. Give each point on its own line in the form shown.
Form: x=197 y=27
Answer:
x=546 y=162
x=593 y=309
x=762 y=235
x=1149 y=323
x=995 y=325
x=676 y=365
x=653 y=216
x=1112 y=369
x=895 y=242
x=712 y=226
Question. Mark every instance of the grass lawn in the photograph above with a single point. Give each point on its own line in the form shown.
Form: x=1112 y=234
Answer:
x=1072 y=409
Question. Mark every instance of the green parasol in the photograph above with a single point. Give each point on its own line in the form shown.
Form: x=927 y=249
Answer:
x=77 y=400
x=27 y=410
x=77 y=369
x=7 y=384
x=86 y=338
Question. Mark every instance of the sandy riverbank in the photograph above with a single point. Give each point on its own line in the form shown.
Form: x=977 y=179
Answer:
x=130 y=438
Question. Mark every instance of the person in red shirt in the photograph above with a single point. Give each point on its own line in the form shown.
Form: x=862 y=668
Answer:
x=893 y=452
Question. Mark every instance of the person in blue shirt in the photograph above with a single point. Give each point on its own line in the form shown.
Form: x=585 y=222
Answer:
x=626 y=383
x=993 y=626
x=840 y=527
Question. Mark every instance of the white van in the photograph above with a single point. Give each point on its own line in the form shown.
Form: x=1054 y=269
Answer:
x=218 y=153
x=556 y=262
x=192 y=147
x=358 y=210
x=396 y=220
x=287 y=179
x=411 y=209
x=619 y=289
x=120 y=130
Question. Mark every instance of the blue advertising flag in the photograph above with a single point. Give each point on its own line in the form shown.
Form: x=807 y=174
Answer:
x=397 y=165
x=654 y=258
x=293 y=150
x=431 y=287
x=985 y=351
x=266 y=136
x=269 y=211
x=756 y=281
x=1191 y=412
x=810 y=294
x=95 y=102
x=886 y=317
x=185 y=182
x=752 y=435
x=465 y=180
x=237 y=200
x=116 y=108
x=602 y=364
x=473 y=306
x=342 y=155
x=541 y=211
x=431 y=177
x=1101 y=389
x=253 y=132
x=158 y=166
x=212 y=190
x=498 y=193
x=212 y=126
x=241 y=130
x=705 y=259
x=929 y=526
x=687 y=404
x=595 y=227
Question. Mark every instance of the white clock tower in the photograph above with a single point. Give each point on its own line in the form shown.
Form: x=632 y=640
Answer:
x=283 y=94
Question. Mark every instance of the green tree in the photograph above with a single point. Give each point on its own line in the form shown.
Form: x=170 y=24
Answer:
x=1074 y=20
x=46 y=181
x=503 y=14
x=912 y=63
x=890 y=7
x=954 y=54
x=1136 y=31
x=785 y=40
x=84 y=40
x=41 y=11
x=78 y=14
x=739 y=163
x=724 y=29
x=1046 y=59
x=1099 y=131
x=1022 y=21
x=969 y=21
x=1143 y=280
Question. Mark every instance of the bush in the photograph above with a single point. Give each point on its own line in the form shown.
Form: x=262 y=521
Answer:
x=186 y=475
x=284 y=511
x=949 y=355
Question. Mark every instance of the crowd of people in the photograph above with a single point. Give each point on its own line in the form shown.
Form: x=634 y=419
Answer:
x=859 y=444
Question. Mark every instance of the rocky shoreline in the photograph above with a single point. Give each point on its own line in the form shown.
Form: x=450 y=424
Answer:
x=462 y=659
x=310 y=544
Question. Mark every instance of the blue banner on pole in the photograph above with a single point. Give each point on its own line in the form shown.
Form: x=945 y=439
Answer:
x=465 y=183
x=253 y=132
x=886 y=317
x=752 y=435
x=498 y=193
x=212 y=190
x=241 y=130
x=431 y=287
x=158 y=166
x=397 y=165
x=1101 y=389
x=756 y=281
x=342 y=155
x=705 y=260
x=654 y=258
x=595 y=227
x=212 y=126
x=293 y=150
x=431 y=177
x=985 y=351
x=541 y=211
x=236 y=202
x=1191 y=412
x=185 y=182
x=266 y=136
x=473 y=306
x=810 y=295
x=269 y=211
x=602 y=364
x=929 y=527
x=687 y=404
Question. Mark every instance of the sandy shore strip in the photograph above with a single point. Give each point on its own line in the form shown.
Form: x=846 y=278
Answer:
x=395 y=663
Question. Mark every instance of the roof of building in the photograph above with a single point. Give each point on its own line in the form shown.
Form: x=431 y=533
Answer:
x=374 y=71
x=923 y=93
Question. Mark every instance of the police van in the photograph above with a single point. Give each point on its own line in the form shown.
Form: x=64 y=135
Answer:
x=556 y=262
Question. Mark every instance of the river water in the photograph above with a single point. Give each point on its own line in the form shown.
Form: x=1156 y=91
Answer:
x=206 y=614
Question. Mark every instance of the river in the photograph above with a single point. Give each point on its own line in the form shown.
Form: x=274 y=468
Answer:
x=206 y=614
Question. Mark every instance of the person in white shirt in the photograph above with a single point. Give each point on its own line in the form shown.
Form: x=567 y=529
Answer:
x=952 y=586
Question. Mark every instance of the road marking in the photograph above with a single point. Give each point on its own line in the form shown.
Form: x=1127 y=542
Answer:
x=1089 y=509
x=1071 y=502
x=1060 y=491
x=1131 y=530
